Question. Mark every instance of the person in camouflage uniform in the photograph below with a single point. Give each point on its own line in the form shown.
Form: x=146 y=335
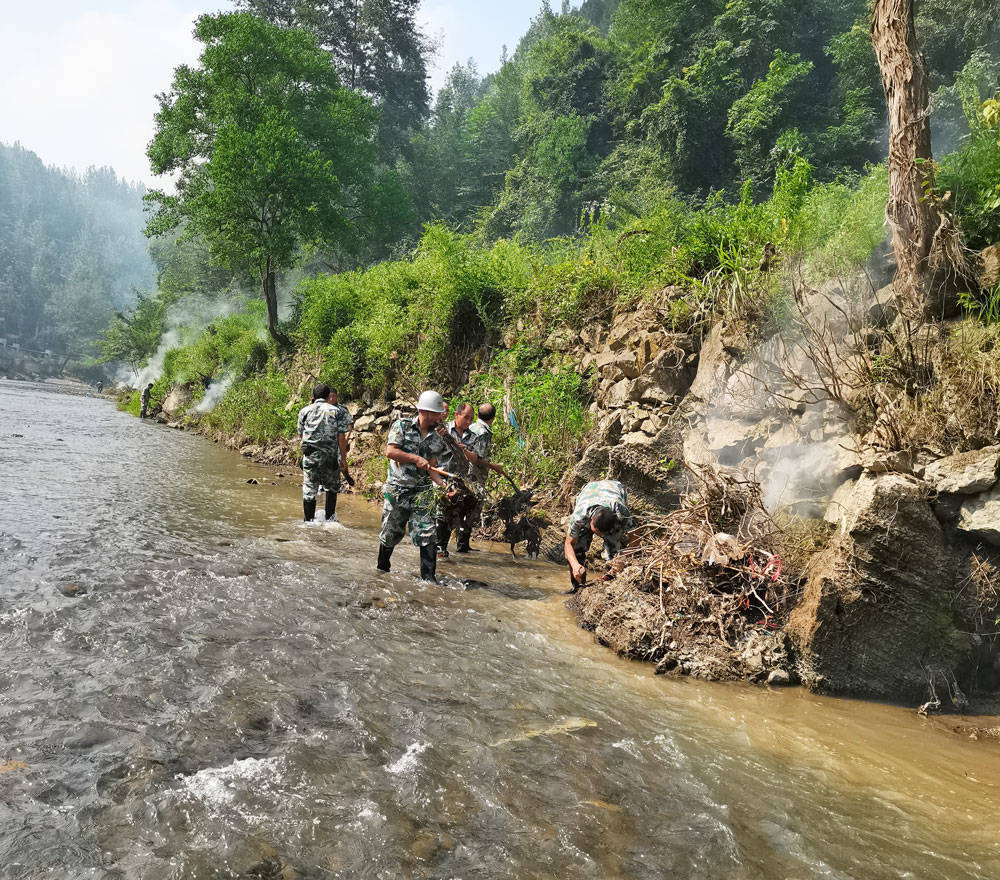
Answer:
x=413 y=449
x=144 y=400
x=323 y=427
x=601 y=509
x=458 y=503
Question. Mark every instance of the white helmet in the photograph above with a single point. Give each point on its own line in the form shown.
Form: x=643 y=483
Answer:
x=431 y=401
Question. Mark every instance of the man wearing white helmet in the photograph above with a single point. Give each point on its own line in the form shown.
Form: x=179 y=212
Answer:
x=413 y=449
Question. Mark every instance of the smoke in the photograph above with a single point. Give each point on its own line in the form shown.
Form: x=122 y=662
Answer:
x=214 y=393
x=782 y=415
x=185 y=321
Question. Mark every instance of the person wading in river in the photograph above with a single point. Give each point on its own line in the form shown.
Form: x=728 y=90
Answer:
x=322 y=428
x=144 y=400
x=458 y=502
x=478 y=441
x=601 y=509
x=413 y=449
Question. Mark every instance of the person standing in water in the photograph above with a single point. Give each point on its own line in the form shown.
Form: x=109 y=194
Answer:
x=413 y=449
x=322 y=428
x=144 y=400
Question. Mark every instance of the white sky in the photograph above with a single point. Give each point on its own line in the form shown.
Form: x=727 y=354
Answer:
x=78 y=78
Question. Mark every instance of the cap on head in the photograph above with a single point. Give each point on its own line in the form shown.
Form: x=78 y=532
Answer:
x=431 y=401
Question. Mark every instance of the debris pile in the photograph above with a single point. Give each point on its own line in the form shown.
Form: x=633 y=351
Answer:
x=705 y=590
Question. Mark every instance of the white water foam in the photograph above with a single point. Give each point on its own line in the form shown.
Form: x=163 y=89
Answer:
x=409 y=758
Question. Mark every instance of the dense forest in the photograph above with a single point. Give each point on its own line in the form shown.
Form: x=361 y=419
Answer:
x=72 y=252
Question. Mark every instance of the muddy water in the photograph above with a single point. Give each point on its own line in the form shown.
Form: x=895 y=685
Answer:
x=237 y=694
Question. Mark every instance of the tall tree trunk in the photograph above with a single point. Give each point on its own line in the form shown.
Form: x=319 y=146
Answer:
x=271 y=299
x=913 y=217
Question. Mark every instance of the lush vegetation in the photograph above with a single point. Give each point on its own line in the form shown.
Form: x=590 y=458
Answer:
x=628 y=151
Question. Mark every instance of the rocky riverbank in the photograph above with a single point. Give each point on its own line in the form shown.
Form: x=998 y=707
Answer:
x=858 y=527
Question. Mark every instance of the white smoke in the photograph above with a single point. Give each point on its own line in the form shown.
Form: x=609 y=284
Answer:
x=777 y=416
x=185 y=322
x=214 y=393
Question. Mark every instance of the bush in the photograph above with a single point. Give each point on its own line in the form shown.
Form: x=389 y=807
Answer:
x=254 y=409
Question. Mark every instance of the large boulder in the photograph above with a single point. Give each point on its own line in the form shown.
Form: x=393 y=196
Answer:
x=876 y=619
x=980 y=516
x=716 y=362
x=967 y=473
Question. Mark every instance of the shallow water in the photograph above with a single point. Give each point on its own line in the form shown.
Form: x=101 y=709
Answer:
x=237 y=693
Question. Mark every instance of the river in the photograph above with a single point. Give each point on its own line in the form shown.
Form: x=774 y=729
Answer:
x=237 y=694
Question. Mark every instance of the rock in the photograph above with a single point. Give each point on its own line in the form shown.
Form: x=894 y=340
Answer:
x=980 y=516
x=876 y=618
x=609 y=430
x=779 y=678
x=881 y=314
x=625 y=364
x=618 y=394
x=252 y=482
x=881 y=461
x=990 y=274
x=637 y=438
x=715 y=364
x=560 y=340
x=966 y=473
x=72 y=590
x=364 y=423
x=836 y=509
x=177 y=399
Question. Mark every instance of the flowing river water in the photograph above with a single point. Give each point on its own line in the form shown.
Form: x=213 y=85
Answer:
x=237 y=694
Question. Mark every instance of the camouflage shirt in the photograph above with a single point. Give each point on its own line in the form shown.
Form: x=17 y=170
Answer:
x=446 y=461
x=322 y=423
x=481 y=443
x=405 y=435
x=600 y=493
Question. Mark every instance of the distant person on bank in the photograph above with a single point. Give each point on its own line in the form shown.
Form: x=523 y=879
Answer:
x=601 y=509
x=322 y=428
x=144 y=400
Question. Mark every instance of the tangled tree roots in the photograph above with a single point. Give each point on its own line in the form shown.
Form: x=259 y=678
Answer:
x=706 y=590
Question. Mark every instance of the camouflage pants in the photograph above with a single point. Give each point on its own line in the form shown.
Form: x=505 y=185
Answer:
x=320 y=470
x=408 y=507
x=458 y=513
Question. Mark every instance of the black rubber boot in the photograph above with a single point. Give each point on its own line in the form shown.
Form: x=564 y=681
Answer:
x=461 y=541
x=384 y=553
x=309 y=509
x=443 y=537
x=428 y=563
x=331 y=505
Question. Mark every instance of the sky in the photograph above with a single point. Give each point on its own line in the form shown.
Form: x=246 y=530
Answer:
x=79 y=79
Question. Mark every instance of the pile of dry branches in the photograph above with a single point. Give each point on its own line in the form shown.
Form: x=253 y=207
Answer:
x=714 y=571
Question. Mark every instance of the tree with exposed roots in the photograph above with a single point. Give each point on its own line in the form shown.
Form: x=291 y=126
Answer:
x=925 y=240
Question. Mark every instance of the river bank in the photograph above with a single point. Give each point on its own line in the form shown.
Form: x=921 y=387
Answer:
x=800 y=507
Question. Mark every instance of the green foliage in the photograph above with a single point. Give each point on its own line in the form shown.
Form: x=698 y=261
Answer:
x=232 y=345
x=983 y=305
x=549 y=402
x=270 y=151
x=71 y=252
x=255 y=409
x=134 y=335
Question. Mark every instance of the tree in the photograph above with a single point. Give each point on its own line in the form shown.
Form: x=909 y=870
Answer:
x=377 y=49
x=921 y=229
x=272 y=153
